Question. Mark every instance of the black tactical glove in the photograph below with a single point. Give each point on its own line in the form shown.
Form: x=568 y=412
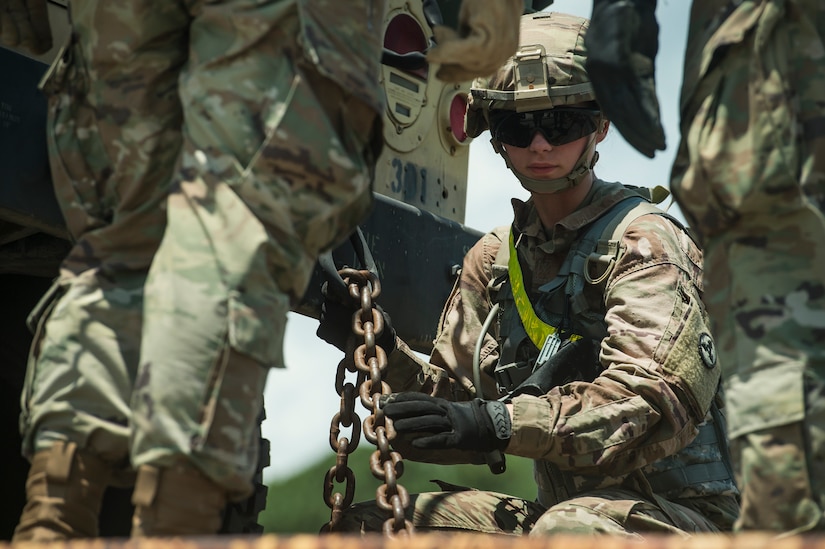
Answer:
x=335 y=322
x=477 y=425
x=622 y=43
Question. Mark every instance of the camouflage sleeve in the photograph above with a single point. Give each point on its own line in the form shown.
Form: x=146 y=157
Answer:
x=408 y=371
x=655 y=384
x=341 y=40
x=449 y=372
x=463 y=317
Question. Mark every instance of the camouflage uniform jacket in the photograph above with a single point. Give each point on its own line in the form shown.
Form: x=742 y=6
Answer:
x=654 y=390
x=343 y=40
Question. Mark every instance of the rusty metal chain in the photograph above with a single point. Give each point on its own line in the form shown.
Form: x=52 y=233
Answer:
x=342 y=446
x=369 y=360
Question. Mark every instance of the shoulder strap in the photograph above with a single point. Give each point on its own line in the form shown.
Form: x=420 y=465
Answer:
x=543 y=335
x=503 y=255
x=498 y=236
x=610 y=226
x=609 y=248
x=601 y=243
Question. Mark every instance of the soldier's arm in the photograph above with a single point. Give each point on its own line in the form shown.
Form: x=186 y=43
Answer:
x=655 y=387
x=407 y=371
x=450 y=363
x=462 y=320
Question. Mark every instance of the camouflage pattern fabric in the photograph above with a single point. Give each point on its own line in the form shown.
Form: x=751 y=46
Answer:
x=750 y=178
x=273 y=171
x=236 y=112
x=598 y=435
x=459 y=509
x=612 y=511
x=112 y=154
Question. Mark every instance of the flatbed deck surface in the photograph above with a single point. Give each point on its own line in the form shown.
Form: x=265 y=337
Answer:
x=450 y=541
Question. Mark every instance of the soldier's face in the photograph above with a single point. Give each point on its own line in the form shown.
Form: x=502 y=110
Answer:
x=541 y=160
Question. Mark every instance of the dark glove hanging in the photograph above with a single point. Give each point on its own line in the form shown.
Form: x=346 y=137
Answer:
x=487 y=35
x=335 y=321
x=25 y=24
x=477 y=425
x=622 y=43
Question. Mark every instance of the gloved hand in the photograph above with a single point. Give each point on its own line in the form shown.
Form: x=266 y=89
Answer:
x=622 y=43
x=487 y=36
x=476 y=425
x=24 y=24
x=335 y=321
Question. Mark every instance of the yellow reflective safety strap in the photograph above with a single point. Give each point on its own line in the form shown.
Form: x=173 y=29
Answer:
x=536 y=329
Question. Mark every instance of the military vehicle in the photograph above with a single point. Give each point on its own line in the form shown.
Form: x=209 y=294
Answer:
x=415 y=227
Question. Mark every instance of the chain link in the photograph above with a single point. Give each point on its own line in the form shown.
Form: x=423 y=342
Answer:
x=369 y=362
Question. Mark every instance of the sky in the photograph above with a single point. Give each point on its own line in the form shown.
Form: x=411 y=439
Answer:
x=300 y=400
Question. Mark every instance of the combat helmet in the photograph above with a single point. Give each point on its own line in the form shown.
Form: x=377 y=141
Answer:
x=546 y=72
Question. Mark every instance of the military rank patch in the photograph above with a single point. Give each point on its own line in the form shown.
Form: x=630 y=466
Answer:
x=707 y=351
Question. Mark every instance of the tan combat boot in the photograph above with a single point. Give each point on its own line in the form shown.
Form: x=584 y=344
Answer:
x=176 y=501
x=64 y=490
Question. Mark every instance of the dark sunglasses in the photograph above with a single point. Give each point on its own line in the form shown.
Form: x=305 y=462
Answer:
x=558 y=126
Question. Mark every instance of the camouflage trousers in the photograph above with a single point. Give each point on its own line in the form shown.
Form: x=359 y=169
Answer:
x=750 y=177
x=195 y=138
x=609 y=511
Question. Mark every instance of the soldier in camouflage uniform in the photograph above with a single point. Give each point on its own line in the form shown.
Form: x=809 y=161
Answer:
x=203 y=154
x=750 y=178
x=614 y=435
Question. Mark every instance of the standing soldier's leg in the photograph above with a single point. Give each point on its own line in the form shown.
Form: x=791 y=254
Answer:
x=113 y=134
x=113 y=137
x=750 y=176
x=273 y=170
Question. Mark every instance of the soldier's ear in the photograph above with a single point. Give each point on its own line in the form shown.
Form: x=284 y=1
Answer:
x=601 y=133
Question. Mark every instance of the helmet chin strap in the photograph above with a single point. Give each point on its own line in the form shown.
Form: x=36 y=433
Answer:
x=554 y=185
